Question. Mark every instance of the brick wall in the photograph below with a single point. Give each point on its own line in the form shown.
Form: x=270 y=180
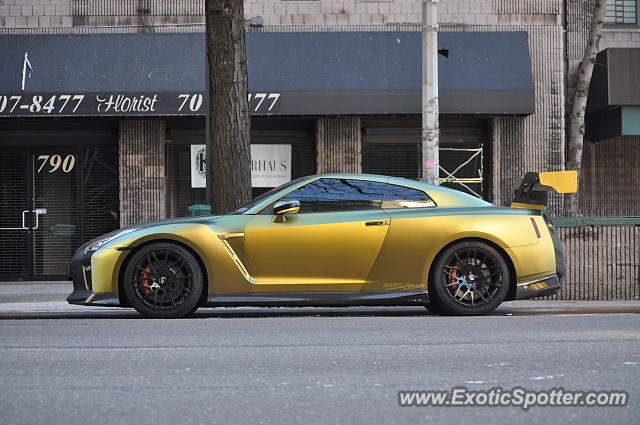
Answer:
x=35 y=13
x=45 y=13
x=143 y=177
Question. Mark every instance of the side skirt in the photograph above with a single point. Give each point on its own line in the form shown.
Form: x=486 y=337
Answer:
x=318 y=299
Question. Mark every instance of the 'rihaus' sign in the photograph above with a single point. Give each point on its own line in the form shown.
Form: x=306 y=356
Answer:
x=270 y=165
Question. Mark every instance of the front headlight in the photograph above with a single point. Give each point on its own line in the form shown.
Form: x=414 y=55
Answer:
x=97 y=244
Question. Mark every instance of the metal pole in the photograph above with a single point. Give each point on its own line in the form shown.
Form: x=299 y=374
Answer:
x=430 y=125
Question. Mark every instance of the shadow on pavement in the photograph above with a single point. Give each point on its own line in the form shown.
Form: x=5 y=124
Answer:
x=508 y=309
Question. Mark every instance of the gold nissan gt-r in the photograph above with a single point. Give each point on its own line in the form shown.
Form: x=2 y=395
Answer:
x=334 y=240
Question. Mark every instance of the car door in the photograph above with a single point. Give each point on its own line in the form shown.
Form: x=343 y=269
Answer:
x=409 y=241
x=329 y=245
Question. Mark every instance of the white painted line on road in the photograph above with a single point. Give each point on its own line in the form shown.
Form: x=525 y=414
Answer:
x=96 y=349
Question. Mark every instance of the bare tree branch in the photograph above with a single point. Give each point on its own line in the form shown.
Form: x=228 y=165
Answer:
x=576 y=121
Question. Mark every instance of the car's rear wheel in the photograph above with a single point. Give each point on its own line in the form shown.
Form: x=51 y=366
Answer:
x=469 y=278
x=163 y=280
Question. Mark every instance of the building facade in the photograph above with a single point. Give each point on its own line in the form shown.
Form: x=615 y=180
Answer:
x=102 y=105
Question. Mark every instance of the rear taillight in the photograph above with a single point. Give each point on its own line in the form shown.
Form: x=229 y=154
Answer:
x=535 y=227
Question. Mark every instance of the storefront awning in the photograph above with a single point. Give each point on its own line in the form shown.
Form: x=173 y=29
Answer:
x=614 y=94
x=308 y=73
x=615 y=80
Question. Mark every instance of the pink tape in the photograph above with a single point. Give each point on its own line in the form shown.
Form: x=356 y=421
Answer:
x=430 y=164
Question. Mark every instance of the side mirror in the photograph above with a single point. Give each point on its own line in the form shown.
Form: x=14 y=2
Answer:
x=289 y=206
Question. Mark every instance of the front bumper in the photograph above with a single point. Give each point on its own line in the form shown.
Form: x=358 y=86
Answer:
x=538 y=287
x=79 y=271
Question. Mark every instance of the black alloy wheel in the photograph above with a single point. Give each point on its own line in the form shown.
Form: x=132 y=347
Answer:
x=163 y=280
x=469 y=278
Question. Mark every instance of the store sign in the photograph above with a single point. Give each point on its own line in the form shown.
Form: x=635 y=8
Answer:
x=198 y=165
x=270 y=165
x=119 y=104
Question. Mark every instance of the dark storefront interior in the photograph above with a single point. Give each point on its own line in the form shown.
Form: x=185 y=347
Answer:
x=59 y=189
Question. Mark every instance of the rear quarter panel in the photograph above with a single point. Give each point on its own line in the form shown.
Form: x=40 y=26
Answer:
x=416 y=236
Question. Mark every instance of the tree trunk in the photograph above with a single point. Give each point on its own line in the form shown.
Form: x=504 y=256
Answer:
x=576 y=121
x=228 y=145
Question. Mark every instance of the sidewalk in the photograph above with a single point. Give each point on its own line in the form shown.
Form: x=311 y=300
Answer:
x=24 y=298
x=34 y=292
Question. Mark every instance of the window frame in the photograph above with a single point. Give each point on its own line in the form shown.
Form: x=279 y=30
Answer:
x=615 y=24
x=435 y=204
x=268 y=209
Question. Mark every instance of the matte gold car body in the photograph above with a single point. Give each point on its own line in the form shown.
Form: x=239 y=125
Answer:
x=259 y=253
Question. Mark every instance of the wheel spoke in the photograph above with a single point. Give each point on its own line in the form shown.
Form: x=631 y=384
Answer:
x=152 y=265
x=143 y=278
x=178 y=262
x=181 y=294
x=188 y=290
x=143 y=269
x=482 y=296
x=495 y=273
x=464 y=295
x=452 y=275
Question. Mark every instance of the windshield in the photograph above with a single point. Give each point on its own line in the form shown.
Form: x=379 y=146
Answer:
x=255 y=201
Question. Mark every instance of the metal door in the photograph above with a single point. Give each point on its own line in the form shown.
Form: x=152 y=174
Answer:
x=51 y=201
x=39 y=213
x=15 y=215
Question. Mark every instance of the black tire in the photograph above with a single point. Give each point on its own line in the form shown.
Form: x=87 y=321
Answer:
x=435 y=309
x=469 y=278
x=163 y=280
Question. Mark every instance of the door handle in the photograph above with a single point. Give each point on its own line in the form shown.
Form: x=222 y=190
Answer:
x=376 y=223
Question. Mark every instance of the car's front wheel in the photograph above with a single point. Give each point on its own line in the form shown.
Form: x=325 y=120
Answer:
x=163 y=280
x=469 y=278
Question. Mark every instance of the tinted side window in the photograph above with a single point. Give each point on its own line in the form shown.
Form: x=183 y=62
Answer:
x=405 y=197
x=325 y=195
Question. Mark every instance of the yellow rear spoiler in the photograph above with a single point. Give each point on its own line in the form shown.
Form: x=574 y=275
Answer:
x=531 y=193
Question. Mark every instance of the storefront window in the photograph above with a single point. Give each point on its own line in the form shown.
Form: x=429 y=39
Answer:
x=394 y=148
x=277 y=157
x=622 y=12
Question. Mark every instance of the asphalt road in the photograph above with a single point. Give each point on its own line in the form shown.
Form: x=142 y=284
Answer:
x=264 y=366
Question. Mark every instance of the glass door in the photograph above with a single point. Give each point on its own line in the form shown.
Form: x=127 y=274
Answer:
x=55 y=210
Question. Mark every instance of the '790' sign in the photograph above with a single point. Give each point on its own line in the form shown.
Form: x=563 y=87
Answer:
x=122 y=104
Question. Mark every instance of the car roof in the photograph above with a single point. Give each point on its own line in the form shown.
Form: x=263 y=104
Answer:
x=443 y=196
